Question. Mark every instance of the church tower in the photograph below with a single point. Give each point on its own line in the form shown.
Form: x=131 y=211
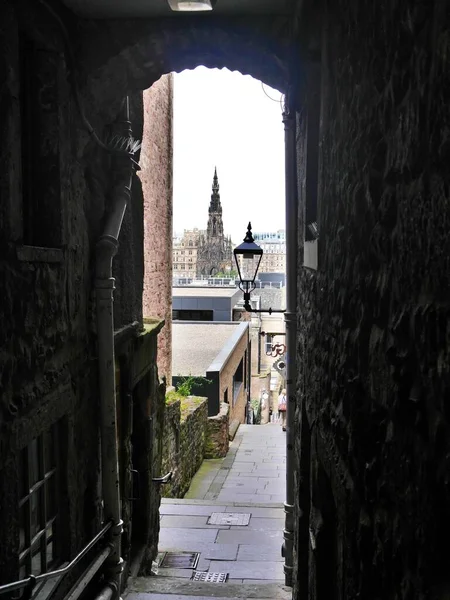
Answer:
x=215 y=250
x=215 y=224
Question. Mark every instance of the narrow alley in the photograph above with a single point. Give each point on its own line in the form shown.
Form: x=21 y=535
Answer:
x=229 y=526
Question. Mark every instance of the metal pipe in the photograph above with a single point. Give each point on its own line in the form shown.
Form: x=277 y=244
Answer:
x=290 y=317
x=104 y=284
x=17 y=585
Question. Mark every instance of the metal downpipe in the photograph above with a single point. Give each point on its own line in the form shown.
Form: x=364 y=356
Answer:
x=106 y=249
x=290 y=317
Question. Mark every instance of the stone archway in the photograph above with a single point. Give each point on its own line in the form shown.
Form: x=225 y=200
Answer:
x=122 y=56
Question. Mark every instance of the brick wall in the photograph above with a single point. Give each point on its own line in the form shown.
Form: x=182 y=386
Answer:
x=156 y=178
x=237 y=408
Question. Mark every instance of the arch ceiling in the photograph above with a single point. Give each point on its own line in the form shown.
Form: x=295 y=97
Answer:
x=123 y=55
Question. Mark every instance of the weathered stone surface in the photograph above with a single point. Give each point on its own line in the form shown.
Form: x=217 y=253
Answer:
x=156 y=162
x=126 y=54
x=48 y=345
x=185 y=430
x=217 y=443
x=374 y=319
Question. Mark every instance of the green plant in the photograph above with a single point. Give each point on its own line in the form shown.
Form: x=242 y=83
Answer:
x=184 y=387
x=227 y=274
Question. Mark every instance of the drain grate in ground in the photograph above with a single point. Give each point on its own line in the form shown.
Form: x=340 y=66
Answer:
x=229 y=519
x=179 y=560
x=209 y=577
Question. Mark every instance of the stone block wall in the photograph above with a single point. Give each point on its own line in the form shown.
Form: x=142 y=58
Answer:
x=373 y=425
x=48 y=355
x=184 y=440
x=217 y=433
x=193 y=430
x=171 y=448
x=55 y=188
x=140 y=401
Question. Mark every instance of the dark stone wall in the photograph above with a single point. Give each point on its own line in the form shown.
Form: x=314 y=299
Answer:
x=47 y=356
x=140 y=406
x=123 y=55
x=48 y=367
x=374 y=374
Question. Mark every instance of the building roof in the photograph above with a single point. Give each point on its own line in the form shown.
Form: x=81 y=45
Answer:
x=197 y=345
x=209 y=292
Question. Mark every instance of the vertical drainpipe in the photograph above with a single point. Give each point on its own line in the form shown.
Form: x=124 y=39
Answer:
x=290 y=317
x=106 y=249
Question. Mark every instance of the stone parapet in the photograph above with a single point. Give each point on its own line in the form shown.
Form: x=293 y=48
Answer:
x=216 y=445
x=184 y=439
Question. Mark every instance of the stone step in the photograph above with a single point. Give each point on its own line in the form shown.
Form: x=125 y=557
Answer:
x=139 y=587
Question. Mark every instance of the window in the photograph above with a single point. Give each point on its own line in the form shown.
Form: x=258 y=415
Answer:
x=39 y=545
x=269 y=342
x=238 y=379
x=192 y=315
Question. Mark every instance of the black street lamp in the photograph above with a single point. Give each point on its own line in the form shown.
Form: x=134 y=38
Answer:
x=248 y=257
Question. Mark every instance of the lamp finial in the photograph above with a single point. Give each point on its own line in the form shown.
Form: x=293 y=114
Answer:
x=248 y=236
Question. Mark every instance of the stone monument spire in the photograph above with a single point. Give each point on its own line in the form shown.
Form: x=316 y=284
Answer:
x=215 y=253
x=215 y=224
x=215 y=206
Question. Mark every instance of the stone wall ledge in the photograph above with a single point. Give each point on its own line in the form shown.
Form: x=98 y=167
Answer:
x=217 y=442
x=234 y=426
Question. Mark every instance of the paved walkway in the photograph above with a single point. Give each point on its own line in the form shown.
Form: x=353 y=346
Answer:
x=247 y=489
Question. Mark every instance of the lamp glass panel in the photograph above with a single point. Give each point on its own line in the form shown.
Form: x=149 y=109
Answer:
x=249 y=264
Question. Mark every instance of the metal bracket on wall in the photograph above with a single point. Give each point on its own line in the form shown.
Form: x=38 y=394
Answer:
x=164 y=479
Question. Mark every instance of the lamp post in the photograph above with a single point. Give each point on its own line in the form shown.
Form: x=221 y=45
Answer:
x=248 y=257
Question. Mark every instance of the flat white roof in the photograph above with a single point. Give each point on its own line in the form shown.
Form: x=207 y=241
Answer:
x=196 y=345
x=205 y=292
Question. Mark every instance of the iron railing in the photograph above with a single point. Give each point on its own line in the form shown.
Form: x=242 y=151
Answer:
x=31 y=581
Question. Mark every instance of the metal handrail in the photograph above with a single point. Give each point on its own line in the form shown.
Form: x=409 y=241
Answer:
x=32 y=580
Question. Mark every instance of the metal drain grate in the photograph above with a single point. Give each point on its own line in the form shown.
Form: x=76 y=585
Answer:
x=179 y=560
x=229 y=519
x=209 y=577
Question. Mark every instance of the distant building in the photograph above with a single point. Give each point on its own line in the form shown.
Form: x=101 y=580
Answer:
x=185 y=252
x=204 y=303
x=273 y=244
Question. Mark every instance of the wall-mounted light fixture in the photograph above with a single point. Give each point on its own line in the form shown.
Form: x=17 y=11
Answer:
x=191 y=5
x=248 y=257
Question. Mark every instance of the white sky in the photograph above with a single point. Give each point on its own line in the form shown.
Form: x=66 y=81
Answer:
x=224 y=119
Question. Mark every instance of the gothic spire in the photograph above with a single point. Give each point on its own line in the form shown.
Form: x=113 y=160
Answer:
x=215 y=196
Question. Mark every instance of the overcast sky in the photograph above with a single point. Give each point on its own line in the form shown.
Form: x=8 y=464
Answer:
x=224 y=119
